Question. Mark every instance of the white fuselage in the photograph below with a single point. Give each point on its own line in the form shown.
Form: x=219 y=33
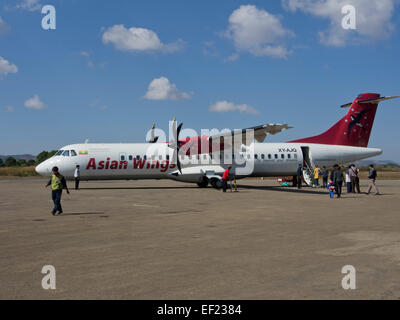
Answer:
x=154 y=161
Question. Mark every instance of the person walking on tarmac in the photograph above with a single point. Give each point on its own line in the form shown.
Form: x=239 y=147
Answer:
x=58 y=183
x=338 y=180
x=225 y=177
x=77 y=177
x=372 y=177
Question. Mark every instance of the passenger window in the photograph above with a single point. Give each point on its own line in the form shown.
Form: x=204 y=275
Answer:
x=288 y=156
x=66 y=153
x=283 y=156
x=167 y=156
x=276 y=156
x=269 y=156
x=255 y=156
x=137 y=157
x=131 y=158
x=263 y=156
x=145 y=157
x=122 y=157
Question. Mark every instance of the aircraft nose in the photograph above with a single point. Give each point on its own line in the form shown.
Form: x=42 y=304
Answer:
x=41 y=169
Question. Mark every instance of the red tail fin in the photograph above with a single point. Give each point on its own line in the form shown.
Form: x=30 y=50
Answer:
x=354 y=128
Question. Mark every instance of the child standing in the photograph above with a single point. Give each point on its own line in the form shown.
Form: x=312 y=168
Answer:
x=331 y=189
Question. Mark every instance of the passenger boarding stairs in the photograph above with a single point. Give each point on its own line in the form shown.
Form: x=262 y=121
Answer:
x=308 y=166
x=308 y=174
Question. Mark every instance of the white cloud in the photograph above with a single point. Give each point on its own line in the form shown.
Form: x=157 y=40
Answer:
x=258 y=32
x=138 y=39
x=34 y=103
x=7 y=67
x=373 y=19
x=88 y=57
x=4 y=28
x=232 y=57
x=209 y=49
x=30 y=5
x=225 y=106
x=162 y=89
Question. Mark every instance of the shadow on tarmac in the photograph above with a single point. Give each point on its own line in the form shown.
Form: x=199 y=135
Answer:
x=281 y=189
x=80 y=213
x=139 y=188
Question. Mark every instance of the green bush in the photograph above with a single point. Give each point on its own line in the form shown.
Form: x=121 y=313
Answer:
x=10 y=162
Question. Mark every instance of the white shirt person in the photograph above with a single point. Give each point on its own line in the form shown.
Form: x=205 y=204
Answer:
x=77 y=176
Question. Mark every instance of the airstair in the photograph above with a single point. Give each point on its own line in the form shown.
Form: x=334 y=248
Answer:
x=308 y=166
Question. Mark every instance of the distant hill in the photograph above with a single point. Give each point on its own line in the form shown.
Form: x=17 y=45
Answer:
x=364 y=163
x=19 y=156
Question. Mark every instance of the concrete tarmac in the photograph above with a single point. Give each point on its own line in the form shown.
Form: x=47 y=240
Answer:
x=168 y=240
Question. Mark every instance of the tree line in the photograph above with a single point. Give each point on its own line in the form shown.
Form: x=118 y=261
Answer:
x=12 y=162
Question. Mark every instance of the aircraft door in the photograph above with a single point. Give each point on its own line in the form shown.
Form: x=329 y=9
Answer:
x=308 y=165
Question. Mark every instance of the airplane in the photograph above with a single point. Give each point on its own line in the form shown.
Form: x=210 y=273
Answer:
x=203 y=159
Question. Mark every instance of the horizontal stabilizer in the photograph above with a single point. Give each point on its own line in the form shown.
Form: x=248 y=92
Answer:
x=370 y=101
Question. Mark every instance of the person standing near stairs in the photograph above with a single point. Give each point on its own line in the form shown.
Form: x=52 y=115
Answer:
x=299 y=176
x=355 y=180
x=317 y=172
x=325 y=175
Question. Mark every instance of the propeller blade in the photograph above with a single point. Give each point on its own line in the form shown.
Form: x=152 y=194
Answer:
x=178 y=164
x=175 y=159
x=178 y=131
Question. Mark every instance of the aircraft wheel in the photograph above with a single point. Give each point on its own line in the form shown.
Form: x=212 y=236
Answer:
x=215 y=183
x=203 y=183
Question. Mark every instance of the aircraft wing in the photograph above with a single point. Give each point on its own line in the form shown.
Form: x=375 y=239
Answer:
x=260 y=133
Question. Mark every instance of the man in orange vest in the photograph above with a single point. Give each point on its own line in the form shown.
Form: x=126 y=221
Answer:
x=225 y=177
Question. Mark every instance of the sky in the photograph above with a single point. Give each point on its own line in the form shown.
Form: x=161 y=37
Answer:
x=110 y=69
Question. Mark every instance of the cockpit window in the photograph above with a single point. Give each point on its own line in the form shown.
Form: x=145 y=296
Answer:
x=59 y=152
x=73 y=153
x=66 y=153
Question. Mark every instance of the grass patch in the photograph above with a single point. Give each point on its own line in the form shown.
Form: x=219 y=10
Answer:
x=18 y=172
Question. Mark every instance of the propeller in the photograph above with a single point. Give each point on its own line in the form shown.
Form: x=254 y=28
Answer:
x=175 y=144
